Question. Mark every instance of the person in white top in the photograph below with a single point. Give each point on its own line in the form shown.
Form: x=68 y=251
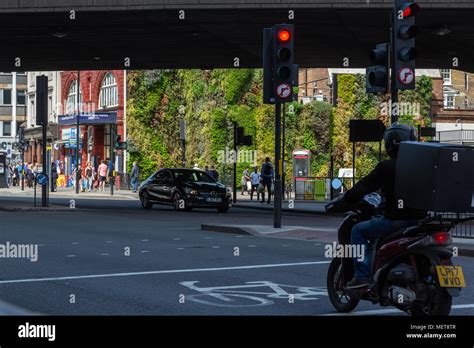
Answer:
x=255 y=180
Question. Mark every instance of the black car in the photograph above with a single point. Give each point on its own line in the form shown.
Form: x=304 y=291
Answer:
x=184 y=189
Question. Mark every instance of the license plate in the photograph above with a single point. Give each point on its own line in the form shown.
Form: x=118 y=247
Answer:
x=214 y=200
x=451 y=276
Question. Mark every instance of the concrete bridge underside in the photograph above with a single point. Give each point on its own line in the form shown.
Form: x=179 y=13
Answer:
x=40 y=35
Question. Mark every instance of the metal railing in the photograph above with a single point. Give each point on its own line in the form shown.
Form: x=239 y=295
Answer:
x=461 y=136
x=464 y=230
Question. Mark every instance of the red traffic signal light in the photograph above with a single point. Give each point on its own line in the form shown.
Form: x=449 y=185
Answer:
x=410 y=9
x=284 y=35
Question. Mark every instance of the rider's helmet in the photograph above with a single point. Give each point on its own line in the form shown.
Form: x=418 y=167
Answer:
x=395 y=134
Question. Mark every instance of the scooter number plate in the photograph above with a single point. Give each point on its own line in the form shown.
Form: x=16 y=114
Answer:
x=450 y=276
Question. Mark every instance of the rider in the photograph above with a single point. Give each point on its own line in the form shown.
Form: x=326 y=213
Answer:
x=395 y=215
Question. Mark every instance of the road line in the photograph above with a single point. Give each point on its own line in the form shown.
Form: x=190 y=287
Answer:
x=144 y=251
x=75 y=243
x=172 y=271
x=71 y=255
x=104 y=255
x=393 y=310
x=144 y=240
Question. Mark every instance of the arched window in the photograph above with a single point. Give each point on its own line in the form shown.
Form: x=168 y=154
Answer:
x=71 y=98
x=108 y=96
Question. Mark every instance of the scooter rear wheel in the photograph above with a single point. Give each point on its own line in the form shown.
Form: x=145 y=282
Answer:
x=340 y=299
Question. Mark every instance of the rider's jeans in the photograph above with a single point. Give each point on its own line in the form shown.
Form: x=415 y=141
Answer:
x=371 y=230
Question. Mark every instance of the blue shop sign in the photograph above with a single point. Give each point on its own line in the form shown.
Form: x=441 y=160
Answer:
x=95 y=118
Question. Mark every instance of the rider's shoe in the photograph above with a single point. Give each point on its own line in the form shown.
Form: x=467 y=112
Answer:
x=358 y=283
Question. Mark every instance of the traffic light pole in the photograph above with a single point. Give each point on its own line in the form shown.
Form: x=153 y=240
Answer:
x=112 y=159
x=234 y=161
x=78 y=129
x=283 y=174
x=44 y=188
x=393 y=76
x=277 y=184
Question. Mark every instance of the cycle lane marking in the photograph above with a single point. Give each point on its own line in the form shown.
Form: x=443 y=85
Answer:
x=173 y=271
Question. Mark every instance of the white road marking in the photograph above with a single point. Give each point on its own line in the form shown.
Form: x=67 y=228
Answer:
x=392 y=310
x=172 y=271
x=144 y=240
x=144 y=251
x=176 y=238
x=71 y=255
x=109 y=241
x=180 y=248
x=75 y=243
x=215 y=247
x=252 y=246
x=239 y=236
x=317 y=243
x=104 y=255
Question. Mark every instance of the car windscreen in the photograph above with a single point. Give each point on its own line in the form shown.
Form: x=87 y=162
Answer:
x=192 y=176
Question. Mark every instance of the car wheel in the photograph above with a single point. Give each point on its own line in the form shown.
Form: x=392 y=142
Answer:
x=223 y=209
x=144 y=199
x=177 y=201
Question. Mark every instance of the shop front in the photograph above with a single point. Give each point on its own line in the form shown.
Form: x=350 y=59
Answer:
x=95 y=131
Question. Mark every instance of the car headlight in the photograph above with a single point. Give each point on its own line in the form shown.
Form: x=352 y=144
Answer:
x=191 y=191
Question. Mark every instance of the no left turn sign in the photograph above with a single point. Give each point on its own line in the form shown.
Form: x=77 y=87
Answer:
x=283 y=90
x=406 y=76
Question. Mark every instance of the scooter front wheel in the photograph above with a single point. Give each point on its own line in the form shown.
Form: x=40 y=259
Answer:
x=340 y=299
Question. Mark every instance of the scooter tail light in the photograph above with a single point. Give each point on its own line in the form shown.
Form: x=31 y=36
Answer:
x=441 y=238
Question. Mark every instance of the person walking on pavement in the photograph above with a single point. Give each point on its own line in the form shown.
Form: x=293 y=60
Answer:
x=255 y=181
x=245 y=180
x=267 y=179
x=54 y=177
x=102 y=176
x=110 y=172
x=208 y=172
x=215 y=173
x=134 y=175
x=90 y=176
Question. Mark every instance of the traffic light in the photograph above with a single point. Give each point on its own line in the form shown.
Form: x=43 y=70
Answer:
x=118 y=142
x=405 y=53
x=268 y=61
x=243 y=139
x=41 y=100
x=283 y=62
x=377 y=76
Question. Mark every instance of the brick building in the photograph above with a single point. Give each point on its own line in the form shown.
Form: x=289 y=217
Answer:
x=102 y=94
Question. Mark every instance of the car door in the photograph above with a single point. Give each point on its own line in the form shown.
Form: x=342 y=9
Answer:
x=166 y=186
x=154 y=186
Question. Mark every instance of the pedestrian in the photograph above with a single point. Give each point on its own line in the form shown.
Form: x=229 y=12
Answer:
x=102 y=175
x=134 y=175
x=267 y=179
x=90 y=177
x=110 y=172
x=208 y=172
x=215 y=173
x=245 y=180
x=6 y=172
x=196 y=166
x=255 y=181
x=54 y=177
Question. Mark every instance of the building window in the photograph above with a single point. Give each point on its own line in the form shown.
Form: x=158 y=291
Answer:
x=20 y=97
x=108 y=96
x=5 y=97
x=449 y=101
x=71 y=98
x=7 y=129
x=446 y=75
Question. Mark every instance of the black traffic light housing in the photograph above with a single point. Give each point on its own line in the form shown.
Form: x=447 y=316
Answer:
x=41 y=100
x=405 y=52
x=243 y=139
x=268 y=83
x=118 y=142
x=377 y=76
x=283 y=37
